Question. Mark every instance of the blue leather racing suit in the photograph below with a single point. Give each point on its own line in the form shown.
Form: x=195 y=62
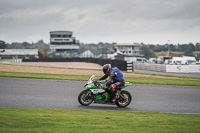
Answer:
x=115 y=80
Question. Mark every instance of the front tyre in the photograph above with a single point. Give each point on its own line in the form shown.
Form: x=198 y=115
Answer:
x=85 y=98
x=124 y=99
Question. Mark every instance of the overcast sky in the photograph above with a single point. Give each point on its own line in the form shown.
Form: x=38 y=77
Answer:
x=93 y=21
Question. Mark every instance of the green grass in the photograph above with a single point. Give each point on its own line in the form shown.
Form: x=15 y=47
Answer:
x=141 y=80
x=1 y=60
x=162 y=75
x=60 y=120
x=184 y=82
x=44 y=76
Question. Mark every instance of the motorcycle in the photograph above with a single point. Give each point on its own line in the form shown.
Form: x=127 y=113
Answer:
x=94 y=92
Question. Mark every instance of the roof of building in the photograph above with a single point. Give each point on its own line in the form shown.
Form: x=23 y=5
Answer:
x=87 y=53
x=60 y=32
x=128 y=44
x=173 y=54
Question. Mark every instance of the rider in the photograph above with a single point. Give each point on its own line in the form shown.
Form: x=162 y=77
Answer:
x=115 y=80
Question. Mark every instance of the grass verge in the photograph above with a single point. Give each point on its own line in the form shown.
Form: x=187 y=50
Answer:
x=183 y=82
x=60 y=120
x=44 y=76
x=142 y=80
x=1 y=60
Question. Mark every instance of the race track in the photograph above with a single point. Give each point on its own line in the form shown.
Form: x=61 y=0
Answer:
x=46 y=93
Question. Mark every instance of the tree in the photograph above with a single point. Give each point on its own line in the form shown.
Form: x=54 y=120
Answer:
x=198 y=56
x=152 y=47
x=16 y=46
x=26 y=44
x=148 y=53
x=2 y=45
x=172 y=47
x=197 y=47
x=41 y=53
x=190 y=48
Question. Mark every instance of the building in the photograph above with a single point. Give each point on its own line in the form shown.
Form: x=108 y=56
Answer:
x=63 y=44
x=129 y=49
x=87 y=54
x=173 y=54
x=19 y=53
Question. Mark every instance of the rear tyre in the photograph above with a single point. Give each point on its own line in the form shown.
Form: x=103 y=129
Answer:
x=85 y=98
x=124 y=99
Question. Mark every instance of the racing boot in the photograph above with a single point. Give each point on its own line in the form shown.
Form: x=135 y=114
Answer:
x=112 y=96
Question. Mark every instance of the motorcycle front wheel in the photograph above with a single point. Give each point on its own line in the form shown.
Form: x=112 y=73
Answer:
x=85 y=98
x=124 y=99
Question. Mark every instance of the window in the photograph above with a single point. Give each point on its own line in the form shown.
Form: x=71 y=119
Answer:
x=121 y=48
x=55 y=36
x=58 y=39
x=136 y=48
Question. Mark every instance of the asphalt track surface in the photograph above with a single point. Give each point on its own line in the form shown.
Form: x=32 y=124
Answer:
x=46 y=93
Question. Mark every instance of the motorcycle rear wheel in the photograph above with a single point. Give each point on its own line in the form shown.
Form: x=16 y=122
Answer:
x=85 y=98
x=125 y=99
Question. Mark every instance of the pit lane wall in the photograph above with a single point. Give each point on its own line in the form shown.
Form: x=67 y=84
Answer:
x=167 y=68
x=150 y=67
x=183 y=68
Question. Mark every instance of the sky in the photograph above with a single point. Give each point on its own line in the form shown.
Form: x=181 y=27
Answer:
x=107 y=21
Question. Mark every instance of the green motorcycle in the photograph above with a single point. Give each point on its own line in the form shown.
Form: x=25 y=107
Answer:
x=94 y=92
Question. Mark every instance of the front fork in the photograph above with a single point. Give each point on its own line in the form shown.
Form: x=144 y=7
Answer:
x=118 y=94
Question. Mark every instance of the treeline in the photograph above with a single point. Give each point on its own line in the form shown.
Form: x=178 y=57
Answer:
x=149 y=50
x=40 y=45
x=100 y=48
x=187 y=49
x=183 y=49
